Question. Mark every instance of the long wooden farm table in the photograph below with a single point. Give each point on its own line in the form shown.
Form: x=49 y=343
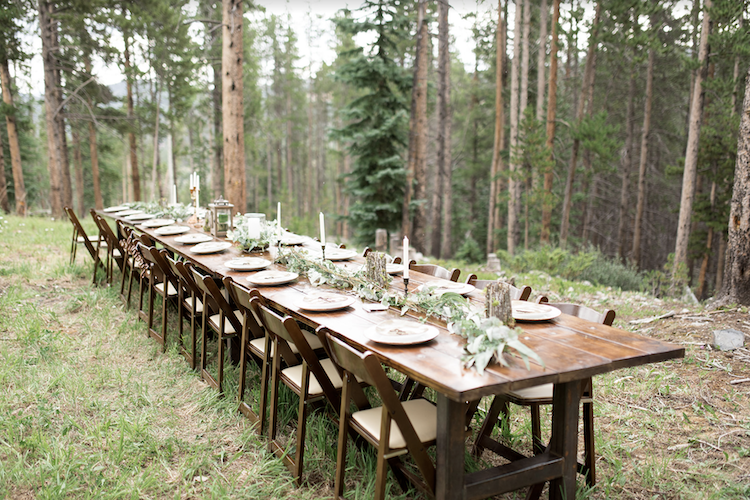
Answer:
x=572 y=350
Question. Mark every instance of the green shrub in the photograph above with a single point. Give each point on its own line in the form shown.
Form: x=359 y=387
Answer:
x=470 y=252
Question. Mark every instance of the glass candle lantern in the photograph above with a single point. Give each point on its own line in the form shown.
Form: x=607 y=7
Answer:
x=221 y=217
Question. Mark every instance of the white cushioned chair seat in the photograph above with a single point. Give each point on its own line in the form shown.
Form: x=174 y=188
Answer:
x=171 y=290
x=423 y=416
x=259 y=344
x=198 y=304
x=538 y=393
x=294 y=375
x=228 y=328
x=116 y=254
x=92 y=239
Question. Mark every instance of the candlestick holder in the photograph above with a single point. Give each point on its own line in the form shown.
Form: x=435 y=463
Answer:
x=323 y=246
x=406 y=287
x=194 y=196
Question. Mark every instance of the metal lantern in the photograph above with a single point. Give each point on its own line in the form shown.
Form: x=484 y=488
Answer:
x=221 y=217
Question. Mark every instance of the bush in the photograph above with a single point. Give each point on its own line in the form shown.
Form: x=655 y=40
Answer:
x=589 y=265
x=470 y=252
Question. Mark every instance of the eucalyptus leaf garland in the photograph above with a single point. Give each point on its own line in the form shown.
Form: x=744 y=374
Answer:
x=177 y=211
x=269 y=232
x=486 y=338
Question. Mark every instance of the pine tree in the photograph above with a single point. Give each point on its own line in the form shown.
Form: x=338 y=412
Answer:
x=376 y=121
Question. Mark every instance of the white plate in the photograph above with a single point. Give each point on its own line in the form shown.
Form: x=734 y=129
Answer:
x=339 y=254
x=441 y=287
x=158 y=223
x=394 y=268
x=272 y=278
x=140 y=216
x=118 y=208
x=293 y=239
x=247 y=264
x=171 y=230
x=325 y=301
x=211 y=247
x=401 y=332
x=531 y=311
x=193 y=238
x=129 y=211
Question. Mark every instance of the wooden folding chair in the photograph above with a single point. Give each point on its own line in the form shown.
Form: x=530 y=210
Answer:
x=110 y=243
x=227 y=324
x=394 y=429
x=162 y=283
x=535 y=397
x=436 y=271
x=188 y=304
x=79 y=234
x=312 y=379
x=516 y=293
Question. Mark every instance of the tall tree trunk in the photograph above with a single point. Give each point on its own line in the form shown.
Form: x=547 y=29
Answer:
x=641 y=204
x=588 y=82
x=541 y=57
x=514 y=166
x=548 y=201
x=15 y=151
x=720 y=261
x=442 y=247
x=232 y=104
x=416 y=169
x=4 y=204
x=78 y=168
x=691 y=153
x=134 y=172
x=701 y=290
x=217 y=159
x=626 y=167
x=736 y=286
x=54 y=149
x=497 y=167
x=155 y=180
x=67 y=188
x=93 y=152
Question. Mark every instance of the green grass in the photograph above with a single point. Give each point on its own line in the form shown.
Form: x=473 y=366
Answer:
x=91 y=407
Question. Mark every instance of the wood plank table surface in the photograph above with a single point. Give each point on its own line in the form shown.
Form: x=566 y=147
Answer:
x=572 y=350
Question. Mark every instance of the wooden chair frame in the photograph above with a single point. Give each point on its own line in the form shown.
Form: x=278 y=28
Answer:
x=436 y=271
x=79 y=231
x=115 y=253
x=366 y=367
x=215 y=300
x=191 y=306
x=160 y=274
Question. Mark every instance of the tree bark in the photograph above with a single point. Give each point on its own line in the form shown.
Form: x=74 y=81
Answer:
x=691 y=152
x=497 y=167
x=93 y=151
x=641 y=204
x=232 y=105
x=548 y=201
x=15 y=151
x=444 y=135
x=78 y=168
x=51 y=104
x=627 y=165
x=155 y=191
x=541 y=57
x=59 y=118
x=588 y=82
x=134 y=172
x=416 y=228
x=736 y=287
x=4 y=204
x=513 y=166
x=217 y=162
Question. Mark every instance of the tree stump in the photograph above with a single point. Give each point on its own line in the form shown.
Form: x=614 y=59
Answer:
x=499 y=302
x=375 y=270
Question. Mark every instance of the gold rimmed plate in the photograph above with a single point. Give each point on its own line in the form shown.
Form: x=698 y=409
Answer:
x=401 y=332
x=325 y=301
x=531 y=311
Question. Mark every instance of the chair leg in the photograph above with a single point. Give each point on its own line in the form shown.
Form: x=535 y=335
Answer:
x=343 y=435
x=204 y=341
x=150 y=323
x=299 y=455
x=220 y=375
x=272 y=423
x=164 y=314
x=381 y=471
x=193 y=340
x=536 y=430
x=589 y=461
x=264 y=377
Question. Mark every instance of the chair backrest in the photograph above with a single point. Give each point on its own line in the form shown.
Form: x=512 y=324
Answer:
x=149 y=257
x=516 y=293
x=367 y=367
x=243 y=298
x=212 y=293
x=106 y=231
x=79 y=231
x=436 y=271
x=583 y=312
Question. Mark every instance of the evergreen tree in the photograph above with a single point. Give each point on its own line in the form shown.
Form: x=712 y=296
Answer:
x=376 y=121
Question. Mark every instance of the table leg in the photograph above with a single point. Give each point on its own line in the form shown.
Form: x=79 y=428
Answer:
x=451 y=417
x=564 y=441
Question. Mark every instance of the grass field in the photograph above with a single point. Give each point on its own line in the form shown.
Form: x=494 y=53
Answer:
x=91 y=408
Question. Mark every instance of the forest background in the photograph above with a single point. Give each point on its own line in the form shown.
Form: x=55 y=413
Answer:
x=584 y=130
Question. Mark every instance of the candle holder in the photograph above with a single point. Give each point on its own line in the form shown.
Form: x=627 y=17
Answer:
x=194 y=196
x=323 y=246
x=406 y=287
